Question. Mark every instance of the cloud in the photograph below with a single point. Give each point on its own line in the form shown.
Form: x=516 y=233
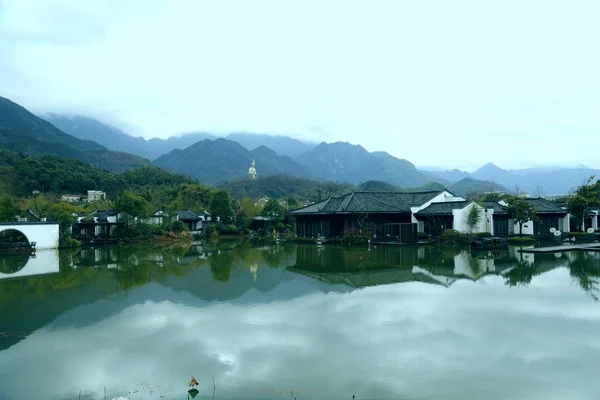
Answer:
x=412 y=340
x=452 y=84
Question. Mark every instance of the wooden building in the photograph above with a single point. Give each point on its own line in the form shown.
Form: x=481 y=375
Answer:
x=386 y=216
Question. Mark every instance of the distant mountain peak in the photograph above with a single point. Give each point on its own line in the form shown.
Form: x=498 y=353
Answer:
x=489 y=167
x=220 y=160
x=346 y=162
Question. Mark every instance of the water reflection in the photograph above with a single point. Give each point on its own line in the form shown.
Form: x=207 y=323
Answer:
x=385 y=322
x=23 y=265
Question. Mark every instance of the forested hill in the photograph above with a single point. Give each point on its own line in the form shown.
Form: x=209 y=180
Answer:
x=346 y=162
x=221 y=160
x=284 y=186
x=23 y=132
x=21 y=175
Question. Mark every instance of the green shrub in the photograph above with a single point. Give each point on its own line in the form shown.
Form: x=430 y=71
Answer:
x=177 y=226
x=228 y=230
x=454 y=237
x=483 y=234
x=355 y=239
x=69 y=243
x=279 y=227
x=137 y=231
x=422 y=236
x=211 y=231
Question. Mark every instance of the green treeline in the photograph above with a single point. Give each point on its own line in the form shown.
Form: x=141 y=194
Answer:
x=38 y=183
x=22 y=175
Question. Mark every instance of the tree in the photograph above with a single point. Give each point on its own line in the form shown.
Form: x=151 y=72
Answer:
x=520 y=211
x=220 y=206
x=40 y=205
x=177 y=226
x=492 y=196
x=250 y=207
x=243 y=222
x=132 y=204
x=473 y=218
x=273 y=209
x=292 y=203
x=9 y=209
x=585 y=197
x=63 y=213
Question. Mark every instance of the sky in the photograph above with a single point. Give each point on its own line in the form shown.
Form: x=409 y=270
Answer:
x=448 y=84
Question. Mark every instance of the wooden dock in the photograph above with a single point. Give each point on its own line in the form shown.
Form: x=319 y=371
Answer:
x=562 y=248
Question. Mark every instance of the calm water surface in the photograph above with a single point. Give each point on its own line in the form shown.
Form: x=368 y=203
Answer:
x=275 y=321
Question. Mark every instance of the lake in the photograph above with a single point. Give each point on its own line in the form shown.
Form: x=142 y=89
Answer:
x=299 y=321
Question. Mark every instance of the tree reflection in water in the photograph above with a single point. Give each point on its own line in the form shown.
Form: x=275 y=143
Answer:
x=119 y=269
x=221 y=263
x=585 y=268
x=521 y=274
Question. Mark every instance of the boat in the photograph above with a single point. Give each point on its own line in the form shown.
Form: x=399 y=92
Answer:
x=489 y=243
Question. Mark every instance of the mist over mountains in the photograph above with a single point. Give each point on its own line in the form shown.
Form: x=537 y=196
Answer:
x=215 y=160
x=540 y=181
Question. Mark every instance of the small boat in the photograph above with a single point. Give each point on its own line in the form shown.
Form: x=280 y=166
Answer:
x=489 y=243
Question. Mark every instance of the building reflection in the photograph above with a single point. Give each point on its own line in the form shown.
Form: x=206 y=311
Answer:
x=382 y=265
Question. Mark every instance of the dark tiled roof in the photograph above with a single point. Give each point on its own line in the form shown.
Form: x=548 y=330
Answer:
x=544 y=206
x=369 y=202
x=187 y=215
x=443 y=208
x=104 y=213
x=492 y=205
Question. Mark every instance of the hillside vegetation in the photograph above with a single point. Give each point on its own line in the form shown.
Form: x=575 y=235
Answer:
x=23 y=132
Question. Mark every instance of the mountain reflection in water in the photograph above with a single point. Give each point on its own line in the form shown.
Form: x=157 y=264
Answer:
x=379 y=322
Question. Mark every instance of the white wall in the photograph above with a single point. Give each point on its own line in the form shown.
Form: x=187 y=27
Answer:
x=440 y=198
x=527 y=228
x=460 y=219
x=566 y=224
x=44 y=234
x=153 y=221
x=595 y=220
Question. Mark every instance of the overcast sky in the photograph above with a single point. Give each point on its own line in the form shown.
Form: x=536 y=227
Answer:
x=446 y=83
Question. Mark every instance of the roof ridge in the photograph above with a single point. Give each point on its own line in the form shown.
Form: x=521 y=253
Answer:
x=346 y=201
x=399 y=192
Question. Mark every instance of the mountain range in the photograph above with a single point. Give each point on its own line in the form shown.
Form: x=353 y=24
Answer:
x=23 y=132
x=220 y=160
x=346 y=162
x=214 y=160
x=115 y=139
x=541 y=181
